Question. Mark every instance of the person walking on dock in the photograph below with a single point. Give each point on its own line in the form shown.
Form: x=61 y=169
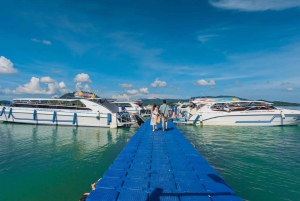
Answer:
x=123 y=109
x=164 y=111
x=154 y=115
x=175 y=112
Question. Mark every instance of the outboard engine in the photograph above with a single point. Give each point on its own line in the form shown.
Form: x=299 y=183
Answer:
x=185 y=115
x=123 y=116
x=139 y=120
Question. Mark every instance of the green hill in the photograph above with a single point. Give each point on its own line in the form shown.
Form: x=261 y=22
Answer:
x=71 y=95
x=281 y=103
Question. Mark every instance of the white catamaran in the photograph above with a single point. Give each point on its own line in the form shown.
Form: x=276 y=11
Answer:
x=79 y=112
x=235 y=112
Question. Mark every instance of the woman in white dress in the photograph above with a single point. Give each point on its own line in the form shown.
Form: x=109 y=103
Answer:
x=154 y=115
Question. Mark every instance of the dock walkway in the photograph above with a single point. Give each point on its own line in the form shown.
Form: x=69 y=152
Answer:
x=161 y=166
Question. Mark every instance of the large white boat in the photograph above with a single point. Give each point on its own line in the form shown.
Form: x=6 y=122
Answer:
x=69 y=112
x=235 y=112
x=134 y=107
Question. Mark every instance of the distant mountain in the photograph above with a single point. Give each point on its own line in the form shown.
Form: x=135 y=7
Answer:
x=5 y=102
x=68 y=95
x=281 y=103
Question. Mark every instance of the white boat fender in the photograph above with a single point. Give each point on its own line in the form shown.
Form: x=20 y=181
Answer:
x=282 y=115
x=98 y=114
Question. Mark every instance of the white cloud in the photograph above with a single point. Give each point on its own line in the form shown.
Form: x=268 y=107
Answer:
x=289 y=89
x=86 y=88
x=35 y=40
x=126 y=85
x=237 y=82
x=255 y=5
x=34 y=87
x=47 y=80
x=121 y=97
x=164 y=96
x=158 y=83
x=56 y=71
x=132 y=92
x=6 y=66
x=204 y=38
x=78 y=86
x=144 y=90
x=63 y=88
x=82 y=77
x=151 y=97
x=205 y=83
x=62 y=85
x=55 y=96
x=46 y=42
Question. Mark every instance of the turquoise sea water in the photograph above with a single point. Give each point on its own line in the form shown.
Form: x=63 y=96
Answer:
x=46 y=163
x=60 y=163
x=259 y=163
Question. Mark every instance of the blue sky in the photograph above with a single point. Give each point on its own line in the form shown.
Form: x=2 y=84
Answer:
x=151 y=49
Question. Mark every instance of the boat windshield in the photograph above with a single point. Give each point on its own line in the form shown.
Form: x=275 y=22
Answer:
x=50 y=104
x=125 y=104
x=241 y=106
x=185 y=106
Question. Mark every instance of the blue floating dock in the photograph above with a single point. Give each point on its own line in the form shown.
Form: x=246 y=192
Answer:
x=161 y=166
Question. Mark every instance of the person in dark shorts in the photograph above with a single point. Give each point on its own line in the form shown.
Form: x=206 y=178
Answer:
x=164 y=111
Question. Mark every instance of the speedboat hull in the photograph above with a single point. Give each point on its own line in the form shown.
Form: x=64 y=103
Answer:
x=246 y=118
x=58 y=117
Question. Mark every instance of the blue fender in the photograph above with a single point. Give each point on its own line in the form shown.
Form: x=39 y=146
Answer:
x=74 y=118
x=34 y=115
x=108 y=118
x=10 y=113
x=54 y=117
x=2 y=111
x=195 y=121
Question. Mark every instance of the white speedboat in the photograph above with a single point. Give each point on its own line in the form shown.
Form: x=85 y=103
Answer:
x=77 y=112
x=134 y=107
x=235 y=112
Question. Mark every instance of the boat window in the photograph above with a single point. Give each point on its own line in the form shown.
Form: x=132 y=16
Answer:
x=139 y=104
x=257 y=104
x=244 y=104
x=125 y=104
x=184 y=106
x=52 y=104
x=217 y=106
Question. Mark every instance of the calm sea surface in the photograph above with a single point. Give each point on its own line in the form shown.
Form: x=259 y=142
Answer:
x=47 y=163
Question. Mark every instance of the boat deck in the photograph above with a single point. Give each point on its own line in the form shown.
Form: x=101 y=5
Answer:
x=161 y=166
